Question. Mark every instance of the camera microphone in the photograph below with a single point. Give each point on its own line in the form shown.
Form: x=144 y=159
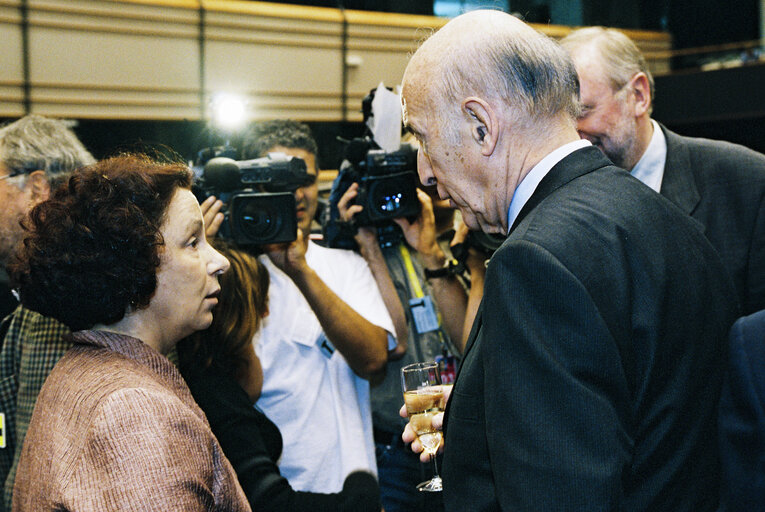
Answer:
x=222 y=174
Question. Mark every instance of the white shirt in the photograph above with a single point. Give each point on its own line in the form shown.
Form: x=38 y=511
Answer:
x=321 y=407
x=529 y=184
x=650 y=167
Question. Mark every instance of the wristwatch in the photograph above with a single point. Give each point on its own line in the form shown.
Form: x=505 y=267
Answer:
x=445 y=271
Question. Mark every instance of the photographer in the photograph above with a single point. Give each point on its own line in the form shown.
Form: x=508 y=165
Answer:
x=316 y=349
x=439 y=316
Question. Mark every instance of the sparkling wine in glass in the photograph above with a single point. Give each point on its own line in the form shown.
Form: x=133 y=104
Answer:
x=424 y=398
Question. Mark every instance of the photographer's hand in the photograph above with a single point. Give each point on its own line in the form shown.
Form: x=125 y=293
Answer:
x=448 y=292
x=421 y=233
x=289 y=257
x=212 y=215
x=476 y=265
x=366 y=237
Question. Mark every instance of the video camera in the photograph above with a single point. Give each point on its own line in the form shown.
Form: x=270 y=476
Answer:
x=258 y=196
x=387 y=189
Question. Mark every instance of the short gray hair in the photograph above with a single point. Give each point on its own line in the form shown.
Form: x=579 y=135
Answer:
x=526 y=70
x=37 y=143
x=620 y=57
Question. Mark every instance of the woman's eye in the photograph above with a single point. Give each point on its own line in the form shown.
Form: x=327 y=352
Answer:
x=194 y=242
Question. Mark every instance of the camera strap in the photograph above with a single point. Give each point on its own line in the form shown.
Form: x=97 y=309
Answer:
x=423 y=310
x=427 y=319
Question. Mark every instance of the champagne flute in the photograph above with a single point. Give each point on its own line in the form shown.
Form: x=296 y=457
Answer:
x=424 y=398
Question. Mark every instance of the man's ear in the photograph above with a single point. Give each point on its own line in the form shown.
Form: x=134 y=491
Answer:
x=38 y=185
x=641 y=88
x=484 y=123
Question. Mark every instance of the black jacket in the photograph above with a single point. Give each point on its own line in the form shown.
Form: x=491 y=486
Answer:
x=591 y=378
x=253 y=444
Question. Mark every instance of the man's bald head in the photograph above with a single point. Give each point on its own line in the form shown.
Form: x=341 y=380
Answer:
x=487 y=97
x=493 y=54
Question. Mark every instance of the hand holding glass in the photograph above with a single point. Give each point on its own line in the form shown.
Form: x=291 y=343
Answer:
x=424 y=398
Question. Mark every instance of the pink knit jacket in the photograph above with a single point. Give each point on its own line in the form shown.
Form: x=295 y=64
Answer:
x=116 y=428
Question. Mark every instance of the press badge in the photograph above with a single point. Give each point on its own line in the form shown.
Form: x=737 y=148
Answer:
x=424 y=314
x=2 y=430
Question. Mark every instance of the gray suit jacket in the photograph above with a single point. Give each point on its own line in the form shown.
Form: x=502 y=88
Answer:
x=591 y=377
x=722 y=186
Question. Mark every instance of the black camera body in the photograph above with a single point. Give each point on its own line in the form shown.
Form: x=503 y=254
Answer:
x=258 y=197
x=387 y=186
x=387 y=190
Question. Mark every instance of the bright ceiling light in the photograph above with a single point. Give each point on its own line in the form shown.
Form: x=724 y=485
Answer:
x=229 y=111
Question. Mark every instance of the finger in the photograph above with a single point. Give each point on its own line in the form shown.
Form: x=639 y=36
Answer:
x=351 y=212
x=408 y=435
x=206 y=204
x=438 y=421
x=403 y=223
x=460 y=234
x=425 y=199
x=402 y=412
x=349 y=194
x=213 y=226
x=447 y=391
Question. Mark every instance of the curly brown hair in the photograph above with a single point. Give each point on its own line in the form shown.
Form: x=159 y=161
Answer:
x=242 y=303
x=93 y=248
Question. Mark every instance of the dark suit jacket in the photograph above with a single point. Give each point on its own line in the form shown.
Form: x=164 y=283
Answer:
x=591 y=378
x=722 y=185
x=742 y=417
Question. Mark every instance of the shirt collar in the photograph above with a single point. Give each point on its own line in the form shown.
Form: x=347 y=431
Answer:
x=529 y=184
x=650 y=167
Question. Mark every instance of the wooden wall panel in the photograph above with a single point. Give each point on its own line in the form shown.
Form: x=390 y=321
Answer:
x=154 y=59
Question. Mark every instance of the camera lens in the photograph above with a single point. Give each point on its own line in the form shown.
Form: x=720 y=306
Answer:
x=389 y=199
x=258 y=221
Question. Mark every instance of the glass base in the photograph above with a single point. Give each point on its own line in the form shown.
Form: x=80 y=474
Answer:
x=435 y=484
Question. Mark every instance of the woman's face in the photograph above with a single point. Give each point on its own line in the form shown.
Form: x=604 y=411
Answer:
x=187 y=278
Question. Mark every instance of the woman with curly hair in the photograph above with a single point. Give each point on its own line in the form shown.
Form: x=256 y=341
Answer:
x=225 y=378
x=119 y=254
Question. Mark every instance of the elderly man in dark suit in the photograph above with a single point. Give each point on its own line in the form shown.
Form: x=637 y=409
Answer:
x=591 y=376
x=721 y=185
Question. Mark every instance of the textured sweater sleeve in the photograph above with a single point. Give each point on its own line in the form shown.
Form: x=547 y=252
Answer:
x=252 y=444
x=146 y=451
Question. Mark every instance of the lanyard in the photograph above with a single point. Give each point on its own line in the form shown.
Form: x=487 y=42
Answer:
x=413 y=279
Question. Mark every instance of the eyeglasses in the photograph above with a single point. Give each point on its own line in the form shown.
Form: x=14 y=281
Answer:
x=11 y=175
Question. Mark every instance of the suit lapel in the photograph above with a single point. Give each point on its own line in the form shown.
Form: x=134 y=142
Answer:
x=678 y=184
x=578 y=163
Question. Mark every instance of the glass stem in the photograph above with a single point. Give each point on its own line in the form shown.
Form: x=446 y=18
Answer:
x=435 y=465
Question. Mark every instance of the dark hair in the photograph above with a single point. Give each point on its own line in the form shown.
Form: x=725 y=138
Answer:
x=261 y=137
x=242 y=303
x=92 y=249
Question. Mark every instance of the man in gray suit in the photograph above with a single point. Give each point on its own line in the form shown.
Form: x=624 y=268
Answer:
x=719 y=184
x=591 y=377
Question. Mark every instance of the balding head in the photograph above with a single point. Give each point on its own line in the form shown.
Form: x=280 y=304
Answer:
x=493 y=54
x=487 y=97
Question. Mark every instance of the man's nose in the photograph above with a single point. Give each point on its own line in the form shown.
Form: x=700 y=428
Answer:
x=424 y=169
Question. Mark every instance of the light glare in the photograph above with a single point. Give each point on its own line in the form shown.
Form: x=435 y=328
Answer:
x=228 y=111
